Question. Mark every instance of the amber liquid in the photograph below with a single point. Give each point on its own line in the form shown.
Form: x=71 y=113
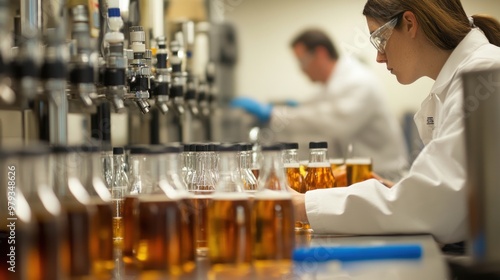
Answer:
x=255 y=172
x=130 y=229
x=25 y=253
x=53 y=252
x=247 y=184
x=200 y=205
x=102 y=238
x=229 y=231
x=273 y=228
x=188 y=250
x=358 y=172
x=273 y=182
x=78 y=231
x=159 y=242
x=295 y=179
x=117 y=205
x=320 y=177
x=336 y=163
x=340 y=174
x=303 y=169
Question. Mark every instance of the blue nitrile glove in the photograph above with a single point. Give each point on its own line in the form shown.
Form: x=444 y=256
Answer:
x=260 y=110
x=291 y=103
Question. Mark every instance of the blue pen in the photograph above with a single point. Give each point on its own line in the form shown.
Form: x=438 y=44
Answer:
x=357 y=253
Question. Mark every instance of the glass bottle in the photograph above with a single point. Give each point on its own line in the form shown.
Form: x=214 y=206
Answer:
x=339 y=171
x=292 y=167
x=188 y=162
x=107 y=164
x=158 y=250
x=52 y=261
x=202 y=186
x=319 y=171
x=213 y=161
x=255 y=160
x=140 y=183
x=174 y=180
x=229 y=218
x=245 y=159
x=119 y=186
x=75 y=202
x=18 y=230
x=273 y=214
x=100 y=197
x=293 y=175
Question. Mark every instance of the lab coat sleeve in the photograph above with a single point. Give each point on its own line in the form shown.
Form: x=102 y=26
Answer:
x=342 y=113
x=430 y=199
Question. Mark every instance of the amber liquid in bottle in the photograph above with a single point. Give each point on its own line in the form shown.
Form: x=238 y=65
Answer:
x=294 y=178
x=159 y=250
x=255 y=172
x=273 y=233
x=53 y=252
x=102 y=238
x=188 y=220
x=229 y=231
x=130 y=228
x=118 y=221
x=319 y=177
x=18 y=263
x=79 y=237
x=200 y=204
x=358 y=171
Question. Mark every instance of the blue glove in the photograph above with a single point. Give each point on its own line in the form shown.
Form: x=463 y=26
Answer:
x=260 y=110
x=291 y=103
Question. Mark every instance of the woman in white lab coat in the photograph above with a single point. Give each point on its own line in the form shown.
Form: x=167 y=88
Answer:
x=433 y=38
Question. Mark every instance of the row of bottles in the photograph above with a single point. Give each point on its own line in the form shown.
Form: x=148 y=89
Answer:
x=160 y=209
x=62 y=229
x=315 y=172
x=211 y=208
x=319 y=173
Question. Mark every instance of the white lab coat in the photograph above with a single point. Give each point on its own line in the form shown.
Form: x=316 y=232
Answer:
x=432 y=197
x=351 y=109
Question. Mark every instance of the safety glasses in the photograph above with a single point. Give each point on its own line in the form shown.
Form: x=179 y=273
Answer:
x=380 y=36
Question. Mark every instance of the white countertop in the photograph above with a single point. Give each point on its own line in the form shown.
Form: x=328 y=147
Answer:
x=431 y=266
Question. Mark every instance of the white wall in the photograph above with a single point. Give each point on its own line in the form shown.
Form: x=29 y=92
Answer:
x=267 y=69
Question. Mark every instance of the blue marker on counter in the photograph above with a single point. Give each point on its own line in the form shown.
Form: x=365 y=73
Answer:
x=349 y=253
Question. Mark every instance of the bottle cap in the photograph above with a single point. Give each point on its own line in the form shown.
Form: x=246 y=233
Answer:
x=291 y=146
x=117 y=150
x=318 y=145
x=273 y=147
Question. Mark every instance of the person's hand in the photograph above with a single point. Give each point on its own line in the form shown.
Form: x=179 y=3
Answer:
x=299 y=205
x=260 y=110
x=383 y=181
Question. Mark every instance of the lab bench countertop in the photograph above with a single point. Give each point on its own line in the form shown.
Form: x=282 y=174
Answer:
x=431 y=265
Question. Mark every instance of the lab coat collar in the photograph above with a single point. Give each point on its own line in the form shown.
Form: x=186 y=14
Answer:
x=471 y=42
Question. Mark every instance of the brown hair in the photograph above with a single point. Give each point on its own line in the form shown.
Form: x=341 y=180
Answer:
x=313 y=38
x=444 y=22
